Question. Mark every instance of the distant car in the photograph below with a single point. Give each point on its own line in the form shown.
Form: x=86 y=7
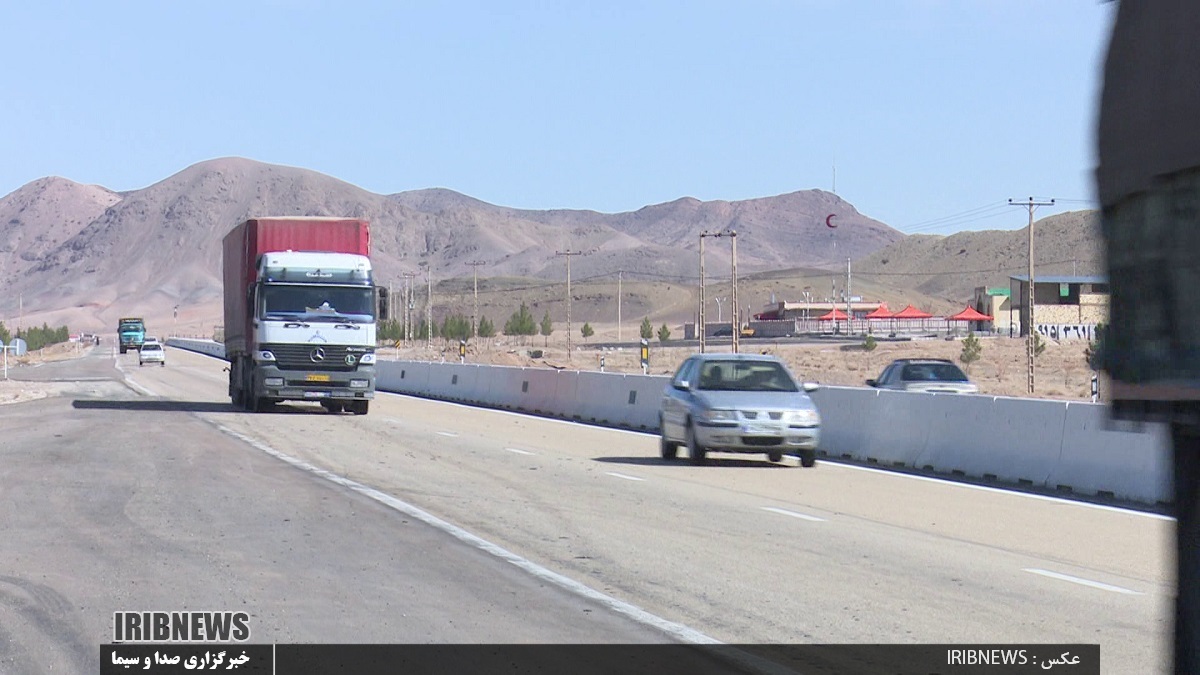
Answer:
x=152 y=352
x=928 y=375
x=723 y=332
x=743 y=403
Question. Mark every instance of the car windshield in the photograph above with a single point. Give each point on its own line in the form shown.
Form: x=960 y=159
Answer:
x=151 y=348
x=933 y=372
x=745 y=376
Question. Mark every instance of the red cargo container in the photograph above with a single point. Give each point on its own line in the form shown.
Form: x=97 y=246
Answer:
x=252 y=238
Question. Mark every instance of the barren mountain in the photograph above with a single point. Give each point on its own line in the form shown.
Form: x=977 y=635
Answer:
x=953 y=266
x=83 y=255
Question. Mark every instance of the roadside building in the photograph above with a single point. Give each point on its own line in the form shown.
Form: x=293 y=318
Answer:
x=1065 y=307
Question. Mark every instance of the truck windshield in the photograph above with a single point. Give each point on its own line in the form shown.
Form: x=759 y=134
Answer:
x=333 y=304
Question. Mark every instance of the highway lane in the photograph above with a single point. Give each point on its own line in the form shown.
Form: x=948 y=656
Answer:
x=112 y=500
x=741 y=550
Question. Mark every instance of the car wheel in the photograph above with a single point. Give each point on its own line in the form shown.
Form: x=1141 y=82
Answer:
x=668 y=449
x=696 y=452
x=808 y=458
x=775 y=456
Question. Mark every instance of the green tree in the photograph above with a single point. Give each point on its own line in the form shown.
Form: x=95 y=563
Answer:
x=486 y=328
x=456 y=327
x=1094 y=353
x=546 y=328
x=971 y=350
x=1039 y=345
x=5 y=336
x=869 y=343
x=521 y=323
x=423 y=331
x=664 y=333
x=586 y=331
x=647 y=331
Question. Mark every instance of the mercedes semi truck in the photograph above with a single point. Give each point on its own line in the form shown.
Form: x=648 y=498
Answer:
x=301 y=306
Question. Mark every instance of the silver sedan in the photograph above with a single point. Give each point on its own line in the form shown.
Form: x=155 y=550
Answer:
x=744 y=403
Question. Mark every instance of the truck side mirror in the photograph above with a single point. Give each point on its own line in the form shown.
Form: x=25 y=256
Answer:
x=383 y=304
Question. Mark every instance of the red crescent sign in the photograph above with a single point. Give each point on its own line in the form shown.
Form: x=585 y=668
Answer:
x=828 y=219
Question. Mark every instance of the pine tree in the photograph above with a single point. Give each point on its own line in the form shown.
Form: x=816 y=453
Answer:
x=664 y=333
x=586 y=331
x=971 y=350
x=647 y=330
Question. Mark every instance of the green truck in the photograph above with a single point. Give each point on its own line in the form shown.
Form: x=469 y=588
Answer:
x=131 y=332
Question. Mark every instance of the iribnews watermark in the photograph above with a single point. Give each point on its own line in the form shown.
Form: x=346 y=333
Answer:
x=183 y=626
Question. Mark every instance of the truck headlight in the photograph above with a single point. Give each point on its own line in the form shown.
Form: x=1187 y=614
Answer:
x=264 y=355
x=367 y=359
x=273 y=381
x=359 y=384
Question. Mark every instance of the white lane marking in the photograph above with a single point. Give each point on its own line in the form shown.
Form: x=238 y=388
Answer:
x=621 y=475
x=825 y=461
x=801 y=516
x=519 y=452
x=129 y=381
x=447 y=433
x=1081 y=581
x=634 y=612
x=1014 y=493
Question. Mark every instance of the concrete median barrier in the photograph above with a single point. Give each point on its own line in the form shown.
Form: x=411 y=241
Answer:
x=1118 y=459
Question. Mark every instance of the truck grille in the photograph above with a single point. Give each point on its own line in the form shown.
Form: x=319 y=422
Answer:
x=301 y=357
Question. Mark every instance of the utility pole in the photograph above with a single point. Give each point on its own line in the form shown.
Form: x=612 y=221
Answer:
x=737 y=319
x=737 y=329
x=475 y=312
x=700 y=320
x=429 y=312
x=1032 y=331
x=408 y=308
x=849 y=310
x=568 y=253
x=618 y=305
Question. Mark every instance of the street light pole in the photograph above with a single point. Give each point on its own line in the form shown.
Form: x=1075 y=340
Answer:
x=475 y=311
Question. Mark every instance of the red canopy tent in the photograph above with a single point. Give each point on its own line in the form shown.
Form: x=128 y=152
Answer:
x=969 y=314
x=835 y=315
x=910 y=312
x=881 y=312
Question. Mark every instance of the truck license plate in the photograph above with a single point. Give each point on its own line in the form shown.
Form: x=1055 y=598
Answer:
x=316 y=378
x=316 y=394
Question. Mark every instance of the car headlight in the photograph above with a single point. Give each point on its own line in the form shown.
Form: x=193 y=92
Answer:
x=806 y=417
x=264 y=355
x=367 y=359
x=719 y=416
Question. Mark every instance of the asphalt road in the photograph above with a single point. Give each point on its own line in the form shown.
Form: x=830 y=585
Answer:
x=433 y=522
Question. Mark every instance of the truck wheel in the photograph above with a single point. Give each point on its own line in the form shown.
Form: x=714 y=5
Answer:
x=122 y=350
x=808 y=458
x=332 y=406
x=358 y=407
x=696 y=452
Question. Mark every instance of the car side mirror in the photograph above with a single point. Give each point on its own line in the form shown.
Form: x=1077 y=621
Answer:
x=810 y=386
x=683 y=385
x=871 y=383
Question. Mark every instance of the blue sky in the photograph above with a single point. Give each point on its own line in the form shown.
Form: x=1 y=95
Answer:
x=934 y=112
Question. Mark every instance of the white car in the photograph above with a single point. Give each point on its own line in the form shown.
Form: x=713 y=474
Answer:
x=152 y=352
